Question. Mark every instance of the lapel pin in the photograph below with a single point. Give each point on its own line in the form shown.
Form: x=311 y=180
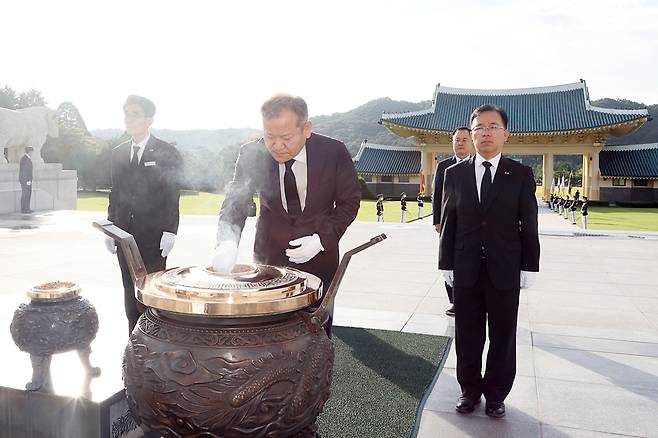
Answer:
x=506 y=173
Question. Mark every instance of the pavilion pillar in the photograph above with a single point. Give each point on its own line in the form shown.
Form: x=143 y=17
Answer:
x=426 y=164
x=547 y=175
x=594 y=174
x=586 y=176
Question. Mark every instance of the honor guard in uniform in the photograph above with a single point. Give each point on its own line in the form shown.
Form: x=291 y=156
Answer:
x=583 y=211
x=403 y=205
x=574 y=206
x=419 y=198
x=380 y=208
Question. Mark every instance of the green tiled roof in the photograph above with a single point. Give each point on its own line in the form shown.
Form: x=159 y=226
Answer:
x=531 y=110
x=387 y=160
x=633 y=161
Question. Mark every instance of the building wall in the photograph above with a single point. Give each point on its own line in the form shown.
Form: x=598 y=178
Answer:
x=394 y=189
x=629 y=194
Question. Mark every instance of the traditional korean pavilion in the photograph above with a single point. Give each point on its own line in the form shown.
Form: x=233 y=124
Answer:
x=546 y=121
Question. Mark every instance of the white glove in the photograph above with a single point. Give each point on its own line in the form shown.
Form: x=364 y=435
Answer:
x=308 y=247
x=29 y=183
x=167 y=243
x=224 y=257
x=448 y=276
x=111 y=245
x=528 y=279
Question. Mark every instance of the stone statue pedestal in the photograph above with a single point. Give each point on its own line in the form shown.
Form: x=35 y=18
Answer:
x=52 y=188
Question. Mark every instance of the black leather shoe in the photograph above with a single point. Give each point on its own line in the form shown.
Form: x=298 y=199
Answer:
x=450 y=311
x=495 y=409
x=466 y=405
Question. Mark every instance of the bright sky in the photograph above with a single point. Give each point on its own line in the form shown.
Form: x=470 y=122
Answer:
x=210 y=64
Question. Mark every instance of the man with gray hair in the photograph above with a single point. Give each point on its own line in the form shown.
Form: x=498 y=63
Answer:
x=308 y=190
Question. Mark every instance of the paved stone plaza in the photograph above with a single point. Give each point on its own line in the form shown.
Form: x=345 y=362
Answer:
x=587 y=342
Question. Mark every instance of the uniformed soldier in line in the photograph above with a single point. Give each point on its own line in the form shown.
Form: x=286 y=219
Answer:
x=421 y=204
x=574 y=206
x=583 y=211
x=403 y=205
x=550 y=201
x=576 y=196
x=560 y=205
x=567 y=206
x=380 y=208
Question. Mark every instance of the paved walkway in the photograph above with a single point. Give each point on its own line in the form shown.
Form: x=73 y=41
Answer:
x=588 y=331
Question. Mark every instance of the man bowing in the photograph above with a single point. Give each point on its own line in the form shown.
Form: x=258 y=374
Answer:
x=308 y=190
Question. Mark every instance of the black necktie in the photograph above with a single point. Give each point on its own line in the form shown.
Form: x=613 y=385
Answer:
x=486 y=182
x=134 y=161
x=290 y=187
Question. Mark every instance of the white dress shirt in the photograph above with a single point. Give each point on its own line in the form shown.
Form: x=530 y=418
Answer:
x=300 y=170
x=479 y=169
x=140 y=151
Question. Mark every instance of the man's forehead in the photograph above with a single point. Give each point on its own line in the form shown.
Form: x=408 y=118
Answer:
x=133 y=109
x=488 y=116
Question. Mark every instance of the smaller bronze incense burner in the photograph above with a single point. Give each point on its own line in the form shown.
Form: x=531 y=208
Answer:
x=228 y=355
x=57 y=319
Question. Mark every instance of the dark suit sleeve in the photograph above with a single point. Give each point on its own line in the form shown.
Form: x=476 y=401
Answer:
x=346 y=203
x=438 y=193
x=172 y=179
x=448 y=222
x=239 y=196
x=22 y=171
x=528 y=224
x=114 y=188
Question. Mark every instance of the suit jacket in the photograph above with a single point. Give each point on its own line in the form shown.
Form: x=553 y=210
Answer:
x=332 y=201
x=144 y=202
x=506 y=225
x=25 y=170
x=438 y=187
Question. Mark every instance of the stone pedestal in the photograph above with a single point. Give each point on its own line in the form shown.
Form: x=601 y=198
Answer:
x=52 y=188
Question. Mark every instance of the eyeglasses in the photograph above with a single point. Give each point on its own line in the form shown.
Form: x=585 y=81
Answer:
x=480 y=128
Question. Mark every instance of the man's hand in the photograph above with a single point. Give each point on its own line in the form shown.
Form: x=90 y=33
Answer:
x=167 y=243
x=29 y=183
x=110 y=245
x=309 y=247
x=448 y=276
x=225 y=255
x=437 y=227
x=528 y=279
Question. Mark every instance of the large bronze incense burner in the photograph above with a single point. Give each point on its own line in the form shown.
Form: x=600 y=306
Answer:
x=230 y=355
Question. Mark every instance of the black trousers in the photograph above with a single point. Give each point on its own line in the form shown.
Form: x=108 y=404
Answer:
x=450 y=293
x=154 y=262
x=26 y=195
x=473 y=308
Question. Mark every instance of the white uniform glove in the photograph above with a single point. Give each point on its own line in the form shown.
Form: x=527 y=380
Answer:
x=110 y=245
x=448 y=276
x=528 y=279
x=308 y=247
x=224 y=257
x=167 y=243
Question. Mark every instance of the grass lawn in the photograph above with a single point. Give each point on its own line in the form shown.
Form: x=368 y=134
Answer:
x=600 y=218
x=208 y=204
x=620 y=218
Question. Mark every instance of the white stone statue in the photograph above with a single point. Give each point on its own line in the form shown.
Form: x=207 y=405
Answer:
x=26 y=127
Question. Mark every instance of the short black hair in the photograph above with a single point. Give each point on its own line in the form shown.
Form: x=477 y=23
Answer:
x=488 y=108
x=461 y=128
x=146 y=104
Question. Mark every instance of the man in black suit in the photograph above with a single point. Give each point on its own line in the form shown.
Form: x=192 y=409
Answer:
x=25 y=178
x=145 y=173
x=489 y=250
x=462 y=146
x=308 y=190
